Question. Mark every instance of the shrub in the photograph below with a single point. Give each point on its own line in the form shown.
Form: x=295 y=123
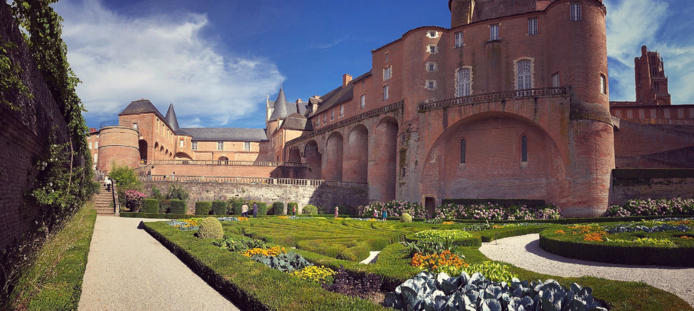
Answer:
x=234 y=206
x=124 y=179
x=291 y=206
x=363 y=286
x=315 y=274
x=493 y=271
x=150 y=206
x=262 y=208
x=176 y=191
x=203 y=207
x=133 y=200
x=219 y=207
x=452 y=234
x=405 y=218
x=177 y=206
x=210 y=228
x=278 y=208
x=310 y=210
x=164 y=206
x=156 y=194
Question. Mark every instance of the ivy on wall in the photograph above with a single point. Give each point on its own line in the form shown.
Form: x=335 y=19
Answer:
x=10 y=80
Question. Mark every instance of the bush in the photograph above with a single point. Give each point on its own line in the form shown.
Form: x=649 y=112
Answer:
x=210 y=228
x=133 y=200
x=176 y=191
x=124 y=179
x=150 y=206
x=203 y=207
x=164 y=206
x=291 y=206
x=405 y=218
x=177 y=206
x=234 y=206
x=219 y=207
x=310 y=210
x=156 y=194
x=278 y=208
x=262 y=208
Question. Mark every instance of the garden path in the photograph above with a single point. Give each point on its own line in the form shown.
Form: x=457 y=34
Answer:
x=525 y=252
x=127 y=269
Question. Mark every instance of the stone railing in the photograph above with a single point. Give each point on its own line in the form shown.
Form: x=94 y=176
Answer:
x=253 y=180
x=228 y=163
x=487 y=97
x=348 y=121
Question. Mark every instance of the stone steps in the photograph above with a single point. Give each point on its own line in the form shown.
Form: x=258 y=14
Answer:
x=102 y=202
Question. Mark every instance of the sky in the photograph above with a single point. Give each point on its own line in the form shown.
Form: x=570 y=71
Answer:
x=217 y=61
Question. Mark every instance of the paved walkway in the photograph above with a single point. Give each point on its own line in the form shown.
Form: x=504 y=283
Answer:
x=525 y=252
x=127 y=269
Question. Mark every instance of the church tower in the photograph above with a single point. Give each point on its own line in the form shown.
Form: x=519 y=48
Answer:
x=651 y=82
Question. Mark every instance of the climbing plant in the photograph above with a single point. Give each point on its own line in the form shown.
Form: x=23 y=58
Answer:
x=10 y=77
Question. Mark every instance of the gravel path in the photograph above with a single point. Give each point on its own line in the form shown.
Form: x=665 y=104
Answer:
x=127 y=269
x=525 y=252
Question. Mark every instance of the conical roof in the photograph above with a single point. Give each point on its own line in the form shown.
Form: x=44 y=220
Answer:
x=280 y=110
x=171 y=118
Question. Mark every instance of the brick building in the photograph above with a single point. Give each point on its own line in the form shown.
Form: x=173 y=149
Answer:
x=484 y=109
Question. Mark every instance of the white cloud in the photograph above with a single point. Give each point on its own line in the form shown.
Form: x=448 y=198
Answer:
x=161 y=58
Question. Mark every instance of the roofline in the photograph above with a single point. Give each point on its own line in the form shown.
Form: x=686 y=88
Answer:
x=405 y=34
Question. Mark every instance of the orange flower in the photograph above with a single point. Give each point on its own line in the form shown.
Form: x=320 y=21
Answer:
x=559 y=232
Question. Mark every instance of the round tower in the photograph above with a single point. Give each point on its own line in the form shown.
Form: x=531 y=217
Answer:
x=119 y=145
x=461 y=11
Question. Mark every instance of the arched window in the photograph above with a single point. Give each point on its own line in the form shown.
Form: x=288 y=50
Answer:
x=462 y=150
x=524 y=149
x=524 y=74
x=464 y=81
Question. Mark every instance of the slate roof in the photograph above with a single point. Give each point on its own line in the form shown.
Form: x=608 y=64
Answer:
x=296 y=121
x=171 y=118
x=225 y=134
x=282 y=108
x=339 y=95
x=485 y=10
x=141 y=106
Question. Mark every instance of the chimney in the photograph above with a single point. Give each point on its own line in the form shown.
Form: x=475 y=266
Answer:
x=346 y=78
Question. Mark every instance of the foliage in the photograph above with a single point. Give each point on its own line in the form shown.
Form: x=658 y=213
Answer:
x=203 y=207
x=363 y=286
x=493 y=271
x=309 y=210
x=177 y=206
x=125 y=179
x=658 y=228
x=435 y=262
x=285 y=262
x=429 y=292
x=186 y=224
x=272 y=251
x=238 y=244
x=316 y=274
x=394 y=209
x=262 y=208
x=278 y=208
x=646 y=241
x=156 y=194
x=210 y=228
x=426 y=247
x=11 y=81
x=176 y=191
x=405 y=218
x=445 y=235
x=291 y=206
x=495 y=211
x=219 y=207
x=636 y=207
x=234 y=206
x=151 y=206
x=134 y=199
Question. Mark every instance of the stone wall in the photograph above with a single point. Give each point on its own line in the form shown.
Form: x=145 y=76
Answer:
x=323 y=196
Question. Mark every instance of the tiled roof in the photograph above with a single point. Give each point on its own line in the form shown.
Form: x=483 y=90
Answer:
x=225 y=134
x=499 y=8
x=295 y=121
x=141 y=106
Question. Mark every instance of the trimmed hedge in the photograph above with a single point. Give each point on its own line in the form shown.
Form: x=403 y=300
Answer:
x=164 y=206
x=291 y=206
x=219 y=207
x=278 y=208
x=495 y=234
x=502 y=202
x=618 y=253
x=262 y=208
x=177 y=206
x=471 y=241
x=203 y=207
x=150 y=206
x=235 y=207
x=309 y=209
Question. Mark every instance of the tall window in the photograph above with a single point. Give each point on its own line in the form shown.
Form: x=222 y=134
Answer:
x=387 y=73
x=524 y=74
x=386 y=56
x=464 y=79
x=603 y=84
x=220 y=145
x=362 y=101
x=494 y=32
x=385 y=92
x=90 y=145
x=555 y=80
x=524 y=149
x=459 y=39
x=462 y=150
x=575 y=11
x=247 y=146
x=180 y=143
x=135 y=126
x=325 y=118
x=532 y=26
x=96 y=145
x=342 y=110
x=332 y=114
x=194 y=145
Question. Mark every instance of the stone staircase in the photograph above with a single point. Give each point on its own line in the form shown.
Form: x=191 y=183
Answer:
x=102 y=201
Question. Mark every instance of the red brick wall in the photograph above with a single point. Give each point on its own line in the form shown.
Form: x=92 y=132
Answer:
x=635 y=144
x=118 y=144
x=673 y=115
x=214 y=170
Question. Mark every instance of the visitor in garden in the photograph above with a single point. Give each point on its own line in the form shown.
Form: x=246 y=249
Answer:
x=244 y=210
x=255 y=210
x=173 y=176
x=375 y=214
x=108 y=183
x=385 y=214
x=336 y=211
x=149 y=175
x=294 y=210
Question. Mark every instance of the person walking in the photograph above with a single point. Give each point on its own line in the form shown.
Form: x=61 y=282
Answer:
x=336 y=211
x=385 y=214
x=149 y=175
x=108 y=183
x=255 y=209
x=294 y=210
x=244 y=210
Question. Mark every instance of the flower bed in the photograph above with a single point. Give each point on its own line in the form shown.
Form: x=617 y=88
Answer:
x=677 y=206
x=481 y=211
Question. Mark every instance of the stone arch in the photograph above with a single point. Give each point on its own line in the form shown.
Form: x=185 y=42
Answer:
x=313 y=159
x=383 y=160
x=294 y=155
x=333 y=157
x=493 y=165
x=183 y=156
x=356 y=164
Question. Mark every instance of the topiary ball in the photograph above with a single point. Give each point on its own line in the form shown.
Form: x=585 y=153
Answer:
x=210 y=228
x=405 y=217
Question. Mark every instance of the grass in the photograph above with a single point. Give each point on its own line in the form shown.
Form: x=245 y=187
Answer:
x=393 y=264
x=53 y=281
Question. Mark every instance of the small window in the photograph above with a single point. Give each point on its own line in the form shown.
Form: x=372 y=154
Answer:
x=342 y=110
x=194 y=145
x=386 y=56
x=181 y=143
x=325 y=118
x=459 y=39
x=432 y=34
x=494 y=32
x=362 y=101
x=387 y=72
x=96 y=157
x=575 y=11
x=220 y=145
x=135 y=126
x=247 y=146
x=555 y=80
x=532 y=26
x=430 y=66
x=430 y=84
x=332 y=114
x=90 y=145
x=603 y=84
x=462 y=151
x=96 y=144
x=524 y=149
x=385 y=92
x=432 y=49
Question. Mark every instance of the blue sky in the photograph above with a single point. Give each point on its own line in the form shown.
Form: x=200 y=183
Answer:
x=217 y=60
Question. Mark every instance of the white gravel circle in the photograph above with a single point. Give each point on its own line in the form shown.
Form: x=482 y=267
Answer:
x=525 y=252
